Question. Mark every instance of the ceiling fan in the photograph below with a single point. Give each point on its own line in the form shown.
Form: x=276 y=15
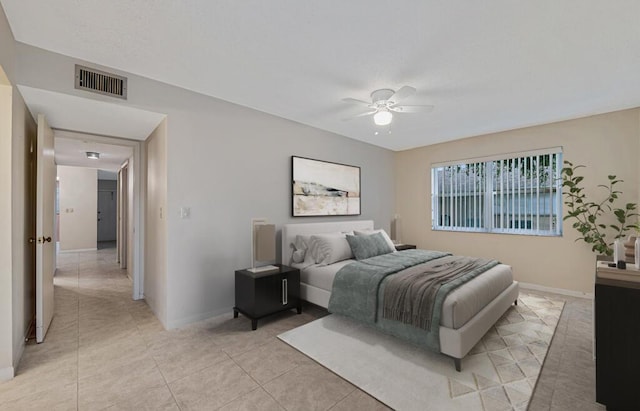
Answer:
x=385 y=102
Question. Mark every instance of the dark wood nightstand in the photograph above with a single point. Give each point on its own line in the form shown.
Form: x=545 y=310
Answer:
x=261 y=294
x=401 y=247
x=617 y=336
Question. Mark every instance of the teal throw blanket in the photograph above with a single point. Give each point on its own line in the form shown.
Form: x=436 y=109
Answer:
x=356 y=285
x=359 y=287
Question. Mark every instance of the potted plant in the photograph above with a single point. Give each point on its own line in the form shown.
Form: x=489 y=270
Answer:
x=593 y=218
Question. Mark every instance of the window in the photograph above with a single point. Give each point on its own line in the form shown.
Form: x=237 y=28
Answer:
x=518 y=194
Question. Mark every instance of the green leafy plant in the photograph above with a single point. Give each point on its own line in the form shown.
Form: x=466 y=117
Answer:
x=590 y=216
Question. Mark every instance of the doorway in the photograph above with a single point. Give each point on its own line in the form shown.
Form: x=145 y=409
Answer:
x=107 y=216
x=107 y=206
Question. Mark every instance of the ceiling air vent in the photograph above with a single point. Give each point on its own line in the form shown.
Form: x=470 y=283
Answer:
x=100 y=82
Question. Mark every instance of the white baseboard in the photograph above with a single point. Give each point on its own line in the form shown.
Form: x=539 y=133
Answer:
x=6 y=373
x=221 y=315
x=561 y=291
x=159 y=316
x=79 y=250
x=19 y=350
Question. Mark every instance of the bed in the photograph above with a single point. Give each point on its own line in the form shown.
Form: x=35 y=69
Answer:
x=468 y=311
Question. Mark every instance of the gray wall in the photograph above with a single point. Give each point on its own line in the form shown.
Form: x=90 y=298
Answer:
x=240 y=170
x=228 y=164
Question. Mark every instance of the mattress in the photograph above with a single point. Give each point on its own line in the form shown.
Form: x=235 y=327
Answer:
x=320 y=276
x=460 y=305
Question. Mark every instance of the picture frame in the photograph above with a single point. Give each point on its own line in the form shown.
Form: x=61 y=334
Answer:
x=323 y=188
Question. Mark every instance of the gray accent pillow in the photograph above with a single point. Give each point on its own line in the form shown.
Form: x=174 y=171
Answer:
x=381 y=231
x=367 y=246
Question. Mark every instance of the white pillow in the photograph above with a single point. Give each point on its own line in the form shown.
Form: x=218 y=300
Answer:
x=300 y=247
x=330 y=248
x=381 y=231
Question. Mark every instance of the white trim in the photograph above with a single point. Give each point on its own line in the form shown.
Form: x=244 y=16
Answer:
x=78 y=250
x=161 y=316
x=139 y=202
x=7 y=373
x=504 y=156
x=173 y=324
x=19 y=350
x=220 y=318
x=561 y=291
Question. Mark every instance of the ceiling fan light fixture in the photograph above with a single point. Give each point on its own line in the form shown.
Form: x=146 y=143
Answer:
x=93 y=155
x=382 y=117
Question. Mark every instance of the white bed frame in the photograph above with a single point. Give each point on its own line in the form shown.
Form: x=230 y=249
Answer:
x=455 y=343
x=316 y=295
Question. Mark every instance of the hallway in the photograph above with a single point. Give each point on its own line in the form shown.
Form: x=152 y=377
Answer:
x=106 y=351
x=96 y=328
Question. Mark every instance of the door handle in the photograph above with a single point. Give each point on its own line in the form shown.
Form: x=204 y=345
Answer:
x=42 y=240
x=32 y=240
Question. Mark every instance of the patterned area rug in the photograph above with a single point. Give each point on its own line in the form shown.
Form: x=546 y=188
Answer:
x=499 y=373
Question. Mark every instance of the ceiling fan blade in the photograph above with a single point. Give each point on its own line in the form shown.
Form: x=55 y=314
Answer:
x=356 y=101
x=368 y=113
x=412 y=109
x=402 y=93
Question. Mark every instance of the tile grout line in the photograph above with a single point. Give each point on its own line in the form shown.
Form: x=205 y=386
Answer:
x=175 y=400
x=259 y=386
x=345 y=397
x=270 y=395
x=211 y=366
x=148 y=345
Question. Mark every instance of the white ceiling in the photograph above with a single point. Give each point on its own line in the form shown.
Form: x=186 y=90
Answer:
x=67 y=112
x=81 y=124
x=486 y=66
x=71 y=148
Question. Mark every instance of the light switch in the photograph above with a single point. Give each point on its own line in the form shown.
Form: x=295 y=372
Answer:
x=185 y=212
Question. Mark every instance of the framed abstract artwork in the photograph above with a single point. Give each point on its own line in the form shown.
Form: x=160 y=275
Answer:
x=322 y=188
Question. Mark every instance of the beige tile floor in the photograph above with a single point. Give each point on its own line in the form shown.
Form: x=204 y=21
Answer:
x=107 y=352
